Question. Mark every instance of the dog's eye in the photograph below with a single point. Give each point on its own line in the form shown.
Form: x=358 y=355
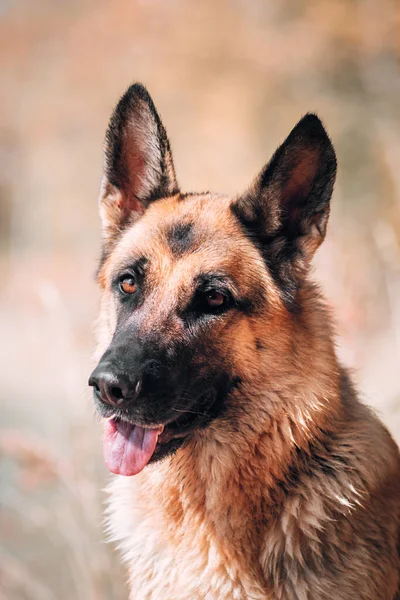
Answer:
x=215 y=299
x=210 y=302
x=127 y=284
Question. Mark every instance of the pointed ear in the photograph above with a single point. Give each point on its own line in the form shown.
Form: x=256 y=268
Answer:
x=137 y=163
x=287 y=207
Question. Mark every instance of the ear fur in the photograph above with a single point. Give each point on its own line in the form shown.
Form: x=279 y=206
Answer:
x=286 y=209
x=138 y=165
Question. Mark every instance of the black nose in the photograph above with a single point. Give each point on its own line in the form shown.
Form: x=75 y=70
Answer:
x=112 y=388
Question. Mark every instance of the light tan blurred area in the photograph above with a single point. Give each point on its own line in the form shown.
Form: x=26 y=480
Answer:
x=230 y=79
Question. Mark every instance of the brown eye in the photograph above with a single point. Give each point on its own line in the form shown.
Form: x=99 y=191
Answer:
x=215 y=299
x=127 y=284
x=210 y=303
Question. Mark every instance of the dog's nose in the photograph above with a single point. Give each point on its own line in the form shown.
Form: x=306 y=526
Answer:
x=112 y=388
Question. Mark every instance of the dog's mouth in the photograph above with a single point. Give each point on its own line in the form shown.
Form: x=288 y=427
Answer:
x=129 y=447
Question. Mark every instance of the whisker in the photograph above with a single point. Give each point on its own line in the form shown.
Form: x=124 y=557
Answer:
x=193 y=412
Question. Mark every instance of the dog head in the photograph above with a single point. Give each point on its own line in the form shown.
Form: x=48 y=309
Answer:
x=195 y=286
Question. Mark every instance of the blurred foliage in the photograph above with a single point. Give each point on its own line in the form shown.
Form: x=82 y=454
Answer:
x=230 y=79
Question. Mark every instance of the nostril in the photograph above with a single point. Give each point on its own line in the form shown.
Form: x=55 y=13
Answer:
x=93 y=383
x=117 y=393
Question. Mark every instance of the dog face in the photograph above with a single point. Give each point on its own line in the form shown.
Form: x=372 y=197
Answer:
x=195 y=286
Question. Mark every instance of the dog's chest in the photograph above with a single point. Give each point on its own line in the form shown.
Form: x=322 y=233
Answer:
x=187 y=562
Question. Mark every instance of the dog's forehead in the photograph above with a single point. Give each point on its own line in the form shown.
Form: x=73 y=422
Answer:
x=199 y=226
x=186 y=223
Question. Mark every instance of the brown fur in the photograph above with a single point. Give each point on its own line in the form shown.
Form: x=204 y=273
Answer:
x=293 y=493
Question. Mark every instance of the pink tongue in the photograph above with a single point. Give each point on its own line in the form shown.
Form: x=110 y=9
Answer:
x=128 y=448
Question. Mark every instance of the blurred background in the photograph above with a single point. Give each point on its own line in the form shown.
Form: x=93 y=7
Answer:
x=230 y=79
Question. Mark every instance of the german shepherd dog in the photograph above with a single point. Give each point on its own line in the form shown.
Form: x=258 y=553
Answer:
x=247 y=467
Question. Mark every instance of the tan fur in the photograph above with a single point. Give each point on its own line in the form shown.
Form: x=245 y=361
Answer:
x=239 y=512
x=290 y=489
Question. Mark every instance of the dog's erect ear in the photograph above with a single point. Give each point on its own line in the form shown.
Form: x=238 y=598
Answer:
x=287 y=207
x=138 y=162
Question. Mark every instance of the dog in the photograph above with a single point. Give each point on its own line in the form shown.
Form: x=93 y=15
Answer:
x=246 y=466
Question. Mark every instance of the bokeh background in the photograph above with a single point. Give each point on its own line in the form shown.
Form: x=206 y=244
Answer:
x=230 y=79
